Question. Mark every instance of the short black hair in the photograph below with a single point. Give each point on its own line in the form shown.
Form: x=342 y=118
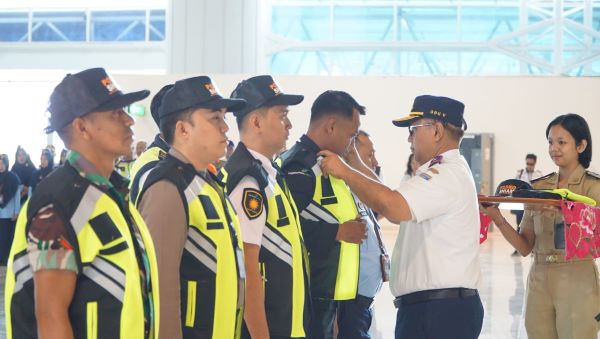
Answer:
x=335 y=102
x=531 y=156
x=168 y=122
x=241 y=119
x=579 y=129
x=157 y=101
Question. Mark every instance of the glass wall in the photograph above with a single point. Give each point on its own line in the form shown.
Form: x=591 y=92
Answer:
x=461 y=37
x=82 y=25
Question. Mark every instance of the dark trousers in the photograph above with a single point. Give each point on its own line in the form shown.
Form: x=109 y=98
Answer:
x=7 y=232
x=246 y=334
x=457 y=318
x=353 y=318
x=519 y=215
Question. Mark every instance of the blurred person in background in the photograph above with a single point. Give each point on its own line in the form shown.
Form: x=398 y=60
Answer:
x=46 y=166
x=10 y=203
x=24 y=169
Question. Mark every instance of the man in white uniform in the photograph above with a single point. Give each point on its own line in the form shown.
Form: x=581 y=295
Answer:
x=278 y=295
x=435 y=264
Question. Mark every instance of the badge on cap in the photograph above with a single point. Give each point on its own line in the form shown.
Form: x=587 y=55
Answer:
x=211 y=89
x=275 y=88
x=110 y=85
x=252 y=202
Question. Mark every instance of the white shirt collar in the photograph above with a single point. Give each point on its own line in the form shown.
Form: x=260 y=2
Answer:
x=450 y=154
x=266 y=163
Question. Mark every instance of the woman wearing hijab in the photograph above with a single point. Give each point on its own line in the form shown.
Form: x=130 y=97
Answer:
x=10 y=203
x=24 y=169
x=46 y=166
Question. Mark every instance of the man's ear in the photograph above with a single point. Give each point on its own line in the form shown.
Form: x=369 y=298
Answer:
x=439 y=131
x=80 y=127
x=330 y=125
x=181 y=129
x=254 y=121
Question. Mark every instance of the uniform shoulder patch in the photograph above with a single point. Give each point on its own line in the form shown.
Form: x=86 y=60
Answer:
x=436 y=160
x=252 y=203
x=593 y=174
x=547 y=176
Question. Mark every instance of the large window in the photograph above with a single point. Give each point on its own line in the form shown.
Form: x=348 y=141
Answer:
x=460 y=37
x=82 y=25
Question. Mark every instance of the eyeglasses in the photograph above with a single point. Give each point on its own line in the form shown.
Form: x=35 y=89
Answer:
x=412 y=128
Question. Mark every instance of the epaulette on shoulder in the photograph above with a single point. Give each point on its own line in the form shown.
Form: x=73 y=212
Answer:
x=544 y=177
x=242 y=164
x=593 y=174
x=298 y=154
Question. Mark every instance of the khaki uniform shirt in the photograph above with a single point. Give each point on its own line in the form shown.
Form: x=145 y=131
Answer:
x=543 y=222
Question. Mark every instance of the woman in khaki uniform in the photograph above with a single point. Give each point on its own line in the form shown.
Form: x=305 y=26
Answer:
x=562 y=297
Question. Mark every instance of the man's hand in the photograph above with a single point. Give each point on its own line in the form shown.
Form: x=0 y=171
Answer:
x=353 y=231
x=332 y=164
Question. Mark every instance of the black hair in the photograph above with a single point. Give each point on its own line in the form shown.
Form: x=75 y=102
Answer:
x=334 y=102
x=531 y=156
x=157 y=101
x=579 y=129
x=241 y=119
x=4 y=159
x=409 y=170
x=168 y=122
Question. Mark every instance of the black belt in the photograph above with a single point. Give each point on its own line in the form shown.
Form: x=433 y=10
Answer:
x=445 y=293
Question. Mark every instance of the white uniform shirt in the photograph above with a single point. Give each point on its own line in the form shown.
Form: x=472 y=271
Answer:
x=439 y=248
x=252 y=229
x=522 y=174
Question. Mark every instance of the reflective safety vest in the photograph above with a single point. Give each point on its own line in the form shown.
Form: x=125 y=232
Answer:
x=107 y=302
x=212 y=272
x=334 y=274
x=282 y=258
x=146 y=161
x=123 y=167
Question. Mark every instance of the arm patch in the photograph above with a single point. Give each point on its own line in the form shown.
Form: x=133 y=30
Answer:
x=252 y=203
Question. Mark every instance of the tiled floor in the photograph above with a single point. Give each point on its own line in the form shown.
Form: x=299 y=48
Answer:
x=502 y=290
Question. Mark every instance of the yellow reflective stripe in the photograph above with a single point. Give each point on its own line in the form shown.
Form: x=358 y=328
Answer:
x=227 y=278
x=149 y=246
x=346 y=284
x=567 y=194
x=92 y=320
x=190 y=313
x=149 y=155
x=346 y=281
